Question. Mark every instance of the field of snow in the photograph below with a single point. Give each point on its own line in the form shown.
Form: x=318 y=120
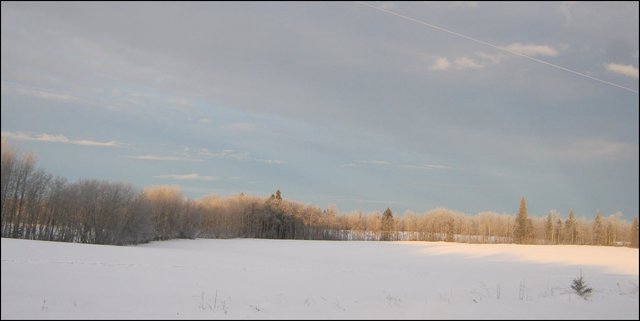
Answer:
x=286 y=279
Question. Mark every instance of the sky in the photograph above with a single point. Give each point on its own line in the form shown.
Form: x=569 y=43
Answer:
x=362 y=105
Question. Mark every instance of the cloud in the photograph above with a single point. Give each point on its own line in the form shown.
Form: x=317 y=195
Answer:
x=181 y=102
x=603 y=149
x=377 y=162
x=240 y=126
x=593 y=150
x=360 y=163
x=387 y=5
x=368 y=162
x=194 y=177
x=491 y=58
x=190 y=154
x=204 y=120
x=48 y=138
x=361 y=200
x=532 y=50
x=441 y=63
x=462 y=63
x=271 y=161
x=625 y=70
x=351 y=165
x=426 y=167
x=42 y=94
x=164 y=158
x=229 y=154
x=565 y=9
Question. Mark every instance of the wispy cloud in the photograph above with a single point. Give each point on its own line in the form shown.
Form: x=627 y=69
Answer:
x=462 y=63
x=532 y=50
x=491 y=58
x=239 y=126
x=482 y=59
x=190 y=152
x=442 y=63
x=465 y=62
x=565 y=9
x=48 y=138
x=592 y=150
x=351 y=165
x=426 y=167
x=271 y=161
x=377 y=162
x=181 y=102
x=227 y=154
x=362 y=200
x=360 y=163
x=204 y=120
x=184 y=177
x=387 y=5
x=625 y=70
x=164 y=158
x=37 y=93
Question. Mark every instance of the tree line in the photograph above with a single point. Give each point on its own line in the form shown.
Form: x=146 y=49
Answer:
x=38 y=205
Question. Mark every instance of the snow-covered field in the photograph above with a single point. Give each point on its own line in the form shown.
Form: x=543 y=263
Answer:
x=285 y=279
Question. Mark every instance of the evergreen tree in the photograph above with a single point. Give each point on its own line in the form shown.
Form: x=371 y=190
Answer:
x=634 y=233
x=558 y=232
x=580 y=286
x=387 y=224
x=571 y=228
x=598 y=230
x=610 y=234
x=529 y=236
x=520 y=234
x=548 y=229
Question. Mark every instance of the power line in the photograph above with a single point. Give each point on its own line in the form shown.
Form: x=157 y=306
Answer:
x=495 y=46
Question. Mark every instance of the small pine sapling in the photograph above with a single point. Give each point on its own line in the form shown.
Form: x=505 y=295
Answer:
x=581 y=288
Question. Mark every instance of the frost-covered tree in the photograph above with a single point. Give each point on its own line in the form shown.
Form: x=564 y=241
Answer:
x=167 y=203
x=36 y=205
x=634 y=233
x=450 y=229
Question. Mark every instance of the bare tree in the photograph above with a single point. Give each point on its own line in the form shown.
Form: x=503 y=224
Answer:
x=634 y=233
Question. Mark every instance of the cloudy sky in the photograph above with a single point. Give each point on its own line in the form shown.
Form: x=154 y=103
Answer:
x=464 y=105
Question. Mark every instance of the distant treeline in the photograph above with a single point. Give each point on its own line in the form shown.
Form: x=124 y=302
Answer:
x=37 y=205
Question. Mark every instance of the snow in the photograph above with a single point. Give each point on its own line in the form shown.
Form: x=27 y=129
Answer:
x=287 y=279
